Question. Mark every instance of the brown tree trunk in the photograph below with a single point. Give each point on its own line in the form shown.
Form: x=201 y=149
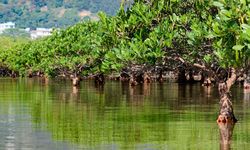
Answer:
x=206 y=79
x=76 y=81
x=226 y=114
x=247 y=80
x=160 y=77
x=132 y=81
x=181 y=78
x=226 y=133
x=137 y=77
x=146 y=77
x=207 y=82
x=191 y=76
x=99 y=79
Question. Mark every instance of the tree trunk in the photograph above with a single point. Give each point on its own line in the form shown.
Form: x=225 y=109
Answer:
x=76 y=81
x=160 y=77
x=226 y=133
x=181 y=76
x=191 y=76
x=206 y=79
x=137 y=77
x=146 y=77
x=99 y=79
x=226 y=114
x=207 y=82
x=247 y=80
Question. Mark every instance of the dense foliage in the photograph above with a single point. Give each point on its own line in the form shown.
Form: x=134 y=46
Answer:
x=6 y=42
x=51 y=13
x=166 y=33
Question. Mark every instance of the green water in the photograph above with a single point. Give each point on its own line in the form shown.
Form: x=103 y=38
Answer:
x=40 y=116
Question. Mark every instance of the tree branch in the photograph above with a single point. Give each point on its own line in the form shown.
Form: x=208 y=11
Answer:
x=230 y=81
x=199 y=66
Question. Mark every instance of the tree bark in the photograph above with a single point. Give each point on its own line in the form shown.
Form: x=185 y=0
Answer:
x=76 y=81
x=226 y=114
x=160 y=77
x=226 y=133
x=247 y=80
x=99 y=79
x=181 y=75
x=146 y=77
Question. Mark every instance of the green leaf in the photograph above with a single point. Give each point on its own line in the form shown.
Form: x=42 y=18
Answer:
x=238 y=47
x=190 y=42
x=245 y=26
x=243 y=2
x=219 y=43
x=248 y=46
x=218 y=4
x=207 y=58
x=219 y=54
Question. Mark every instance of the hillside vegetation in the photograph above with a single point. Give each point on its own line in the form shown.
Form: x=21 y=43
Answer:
x=53 y=13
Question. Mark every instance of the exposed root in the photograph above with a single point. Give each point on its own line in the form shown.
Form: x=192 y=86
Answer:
x=207 y=82
x=99 y=79
x=76 y=81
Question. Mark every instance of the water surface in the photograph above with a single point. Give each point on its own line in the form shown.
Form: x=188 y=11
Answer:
x=53 y=115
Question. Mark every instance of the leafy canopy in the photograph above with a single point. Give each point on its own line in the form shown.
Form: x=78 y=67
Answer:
x=149 y=33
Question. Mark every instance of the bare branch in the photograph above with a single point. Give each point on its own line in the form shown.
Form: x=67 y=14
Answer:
x=199 y=66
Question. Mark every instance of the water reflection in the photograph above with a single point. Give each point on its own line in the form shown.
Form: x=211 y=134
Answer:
x=246 y=99
x=207 y=90
x=116 y=116
x=246 y=94
x=226 y=133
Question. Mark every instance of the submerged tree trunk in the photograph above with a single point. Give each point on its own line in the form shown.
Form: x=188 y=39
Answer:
x=226 y=133
x=226 y=114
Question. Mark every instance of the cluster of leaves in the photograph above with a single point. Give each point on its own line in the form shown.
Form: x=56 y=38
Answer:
x=6 y=42
x=148 y=32
x=231 y=33
x=59 y=13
